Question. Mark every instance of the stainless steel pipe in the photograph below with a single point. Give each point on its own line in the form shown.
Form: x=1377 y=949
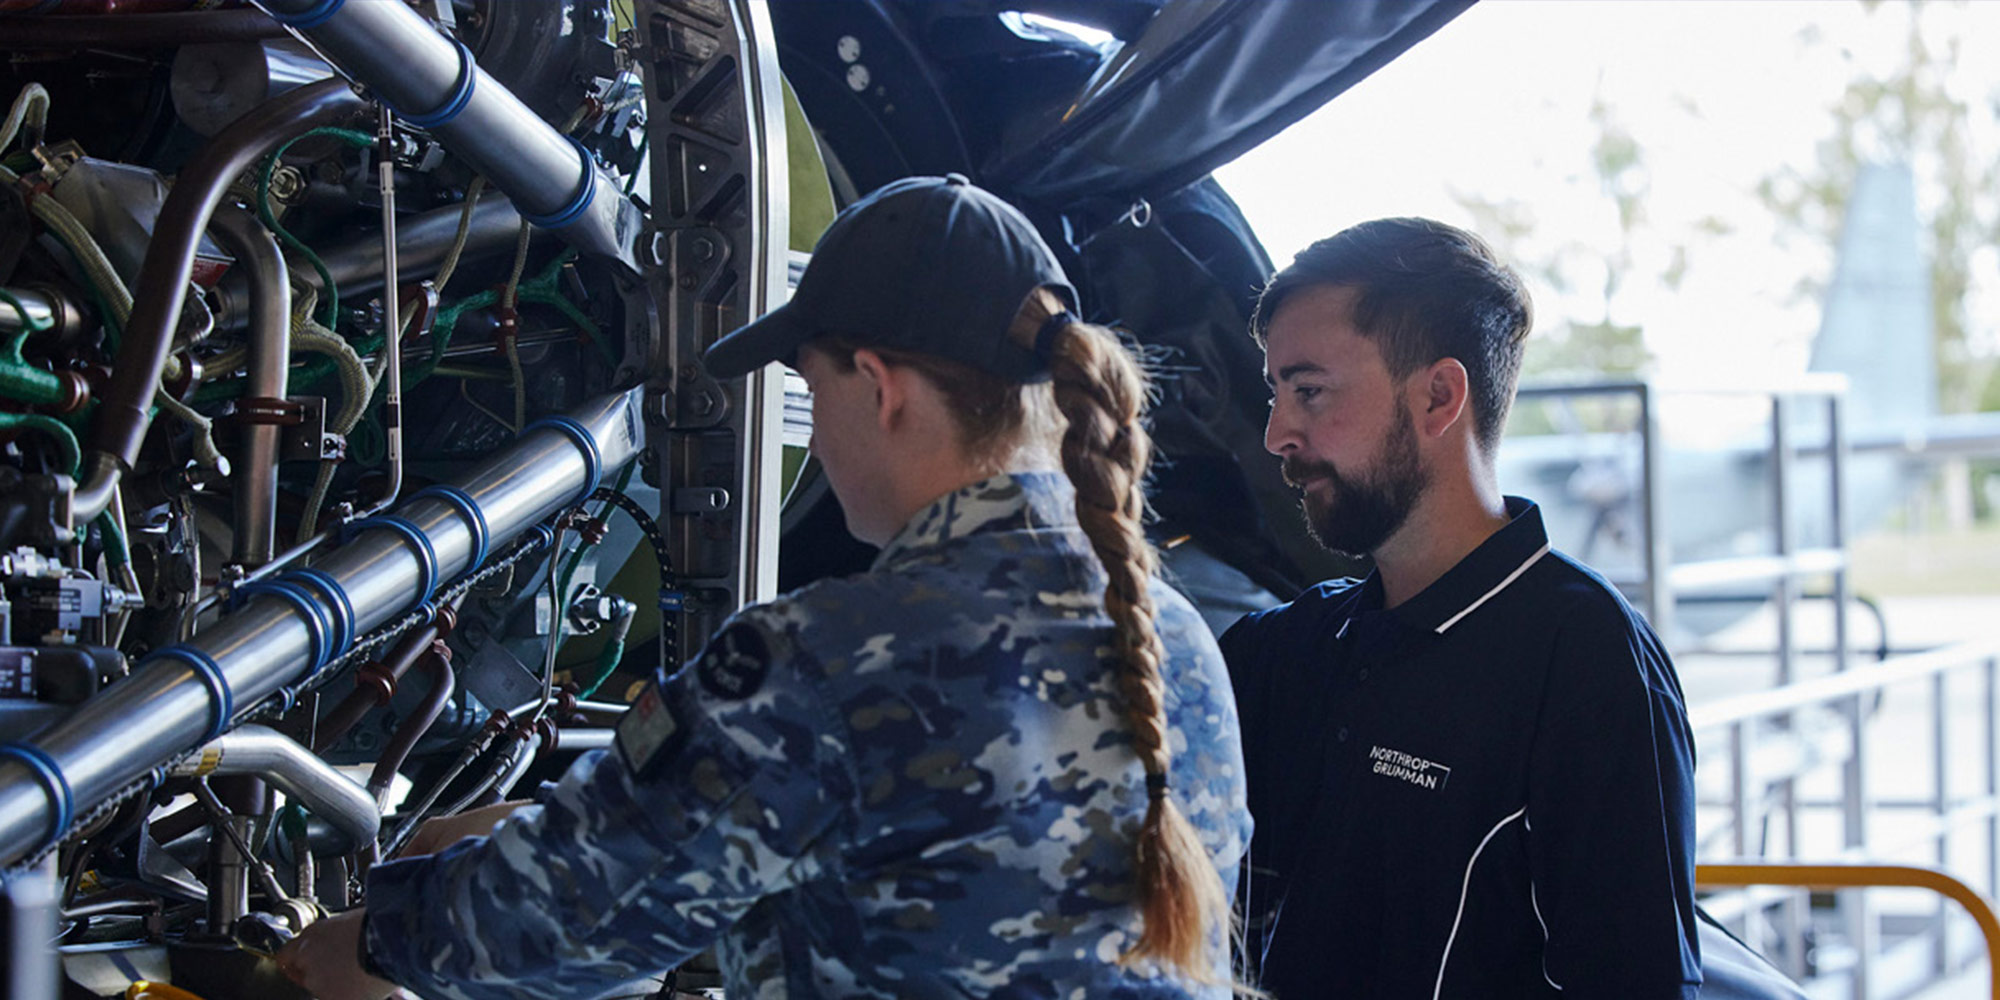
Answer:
x=422 y=242
x=270 y=357
x=268 y=643
x=122 y=419
x=434 y=83
x=43 y=309
x=294 y=770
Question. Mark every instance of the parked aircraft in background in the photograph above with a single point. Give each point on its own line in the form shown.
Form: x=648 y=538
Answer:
x=1717 y=490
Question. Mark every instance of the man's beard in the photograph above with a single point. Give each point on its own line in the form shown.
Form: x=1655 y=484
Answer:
x=1364 y=510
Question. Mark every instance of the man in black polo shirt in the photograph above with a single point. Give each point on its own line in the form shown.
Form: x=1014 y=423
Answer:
x=1471 y=771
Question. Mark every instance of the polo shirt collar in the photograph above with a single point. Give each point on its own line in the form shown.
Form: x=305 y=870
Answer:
x=1481 y=575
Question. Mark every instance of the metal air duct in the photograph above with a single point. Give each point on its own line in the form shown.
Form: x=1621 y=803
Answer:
x=191 y=693
x=432 y=82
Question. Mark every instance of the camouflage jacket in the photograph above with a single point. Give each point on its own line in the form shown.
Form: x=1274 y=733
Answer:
x=913 y=782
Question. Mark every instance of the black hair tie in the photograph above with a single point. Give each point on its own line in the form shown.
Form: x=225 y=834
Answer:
x=1156 y=786
x=1045 y=338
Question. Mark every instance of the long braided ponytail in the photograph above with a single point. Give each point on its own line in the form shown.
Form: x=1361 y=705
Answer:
x=1101 y=391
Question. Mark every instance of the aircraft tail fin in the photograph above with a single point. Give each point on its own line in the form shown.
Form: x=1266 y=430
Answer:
x=1875 y=324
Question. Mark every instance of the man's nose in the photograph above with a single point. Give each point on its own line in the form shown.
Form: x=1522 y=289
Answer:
x=1281 y=436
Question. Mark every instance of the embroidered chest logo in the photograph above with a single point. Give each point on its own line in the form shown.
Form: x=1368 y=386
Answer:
x=1416 y=770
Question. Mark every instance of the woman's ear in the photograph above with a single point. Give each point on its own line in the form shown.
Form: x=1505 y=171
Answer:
x=887 y=381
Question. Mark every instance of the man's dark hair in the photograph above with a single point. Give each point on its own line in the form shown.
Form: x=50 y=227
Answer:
x=1426 y=291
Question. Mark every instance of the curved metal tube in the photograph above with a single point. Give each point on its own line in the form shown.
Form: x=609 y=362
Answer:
x=268 y=643
x=163 y=278
x=396 y=53
x=270 y=357
x=292 y=769
x=415 y=726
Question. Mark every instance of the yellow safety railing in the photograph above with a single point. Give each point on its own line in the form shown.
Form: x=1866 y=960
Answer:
x=1862 y=876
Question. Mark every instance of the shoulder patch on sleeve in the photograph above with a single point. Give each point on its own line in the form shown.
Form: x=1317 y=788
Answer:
x=735 y=663
x=646 y=730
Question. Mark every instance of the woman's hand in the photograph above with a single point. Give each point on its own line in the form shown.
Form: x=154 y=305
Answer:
x=325 y=959
x=437 y=834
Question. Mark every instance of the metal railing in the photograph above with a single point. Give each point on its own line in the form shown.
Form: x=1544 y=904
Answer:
x=1662 y=580
x=1773 y=716
x=1833 y=877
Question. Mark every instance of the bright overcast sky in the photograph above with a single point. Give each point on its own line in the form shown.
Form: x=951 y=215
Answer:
x=1717 y=94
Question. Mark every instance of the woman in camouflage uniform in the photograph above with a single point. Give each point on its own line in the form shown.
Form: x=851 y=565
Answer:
x=1002 y=762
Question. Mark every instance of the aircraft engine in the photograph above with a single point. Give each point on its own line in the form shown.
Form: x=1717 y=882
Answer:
x=348 y=352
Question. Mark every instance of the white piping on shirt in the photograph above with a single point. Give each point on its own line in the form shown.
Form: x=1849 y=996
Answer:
x=1466 y=889
x=1545 y=935
x=1528 y=823
x=1498 y=587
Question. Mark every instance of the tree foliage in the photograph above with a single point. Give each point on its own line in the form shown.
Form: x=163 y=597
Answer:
x=1599 y=345
x=1912 y=113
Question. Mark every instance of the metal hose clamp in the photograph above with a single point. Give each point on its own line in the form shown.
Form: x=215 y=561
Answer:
x=420 y=546
x=318 y=627
x=50 y=774
x=593 y=458
x=340 y=607
x=475 y=519
x=313 y=17
x=455 y=102
x=221 y=700
x=586 y=189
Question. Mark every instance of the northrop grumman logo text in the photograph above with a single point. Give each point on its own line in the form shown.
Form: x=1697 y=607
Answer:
x=1406 y=767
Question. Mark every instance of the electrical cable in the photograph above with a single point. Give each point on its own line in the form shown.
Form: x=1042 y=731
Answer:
x=613 y=652
x=513 y=349
x=465 y=393
x=509 y=297
x=66 y=443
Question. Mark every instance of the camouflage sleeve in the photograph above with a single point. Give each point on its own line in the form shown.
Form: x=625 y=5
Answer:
x=644 y=855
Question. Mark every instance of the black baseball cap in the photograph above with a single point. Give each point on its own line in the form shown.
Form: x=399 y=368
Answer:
x=931 y=265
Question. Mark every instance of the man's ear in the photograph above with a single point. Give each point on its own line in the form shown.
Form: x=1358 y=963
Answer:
x=890 y=393
x=1444 y=392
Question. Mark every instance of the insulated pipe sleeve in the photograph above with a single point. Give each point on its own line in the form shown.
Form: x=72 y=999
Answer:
x=184 y=696
x=292 y=769
x=432 y=82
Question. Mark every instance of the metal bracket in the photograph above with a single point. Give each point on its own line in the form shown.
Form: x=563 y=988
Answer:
x=307 y=439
